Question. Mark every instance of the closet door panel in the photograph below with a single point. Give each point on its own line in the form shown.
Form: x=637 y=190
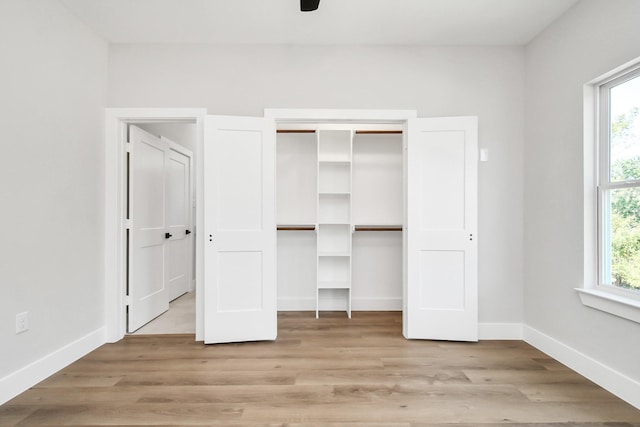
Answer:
x=239 y=163
x=442 y=180
x=240 y=230
x=440 y=237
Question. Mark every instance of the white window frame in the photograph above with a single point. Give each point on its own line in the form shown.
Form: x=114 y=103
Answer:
x=594 y=292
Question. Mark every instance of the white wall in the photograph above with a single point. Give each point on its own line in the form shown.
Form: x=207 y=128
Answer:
x=591 y=39
x=243 y=80
x=53 y=91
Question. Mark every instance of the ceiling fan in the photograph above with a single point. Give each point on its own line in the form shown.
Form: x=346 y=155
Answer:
x=308 y=5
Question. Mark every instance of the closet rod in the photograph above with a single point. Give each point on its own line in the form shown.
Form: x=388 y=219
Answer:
x=378 y=132
x=296 y=227
x=378 y=228
x=295 y=131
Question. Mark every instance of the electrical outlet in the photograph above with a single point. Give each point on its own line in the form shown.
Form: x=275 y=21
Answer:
x=22 y=322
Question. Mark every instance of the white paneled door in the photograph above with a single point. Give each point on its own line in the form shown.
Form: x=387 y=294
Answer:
x=178 y=191
x=441 y=242
x=240 y=230
x=148 y=292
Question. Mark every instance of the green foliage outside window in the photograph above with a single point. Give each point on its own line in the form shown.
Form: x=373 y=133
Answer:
x=625 y=205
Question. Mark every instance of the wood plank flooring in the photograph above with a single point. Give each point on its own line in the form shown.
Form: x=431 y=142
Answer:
x=327 y=372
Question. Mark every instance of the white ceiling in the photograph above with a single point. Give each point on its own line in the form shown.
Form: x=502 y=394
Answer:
x=374 y=22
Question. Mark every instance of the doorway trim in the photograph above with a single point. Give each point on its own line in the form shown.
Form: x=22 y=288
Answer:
x=308 y=115
x=115 y=251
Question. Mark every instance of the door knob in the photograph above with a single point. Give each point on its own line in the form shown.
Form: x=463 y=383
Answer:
x=167 y=235
x=187 y=232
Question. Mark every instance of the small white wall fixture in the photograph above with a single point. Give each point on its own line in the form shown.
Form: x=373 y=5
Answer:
x=116 y=122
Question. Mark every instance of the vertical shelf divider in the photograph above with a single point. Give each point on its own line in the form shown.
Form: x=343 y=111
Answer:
x=334 y=207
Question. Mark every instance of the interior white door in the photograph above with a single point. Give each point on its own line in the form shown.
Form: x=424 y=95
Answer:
x=178 y=194
x=148 y=297
x=441 y=252
x=240 y=230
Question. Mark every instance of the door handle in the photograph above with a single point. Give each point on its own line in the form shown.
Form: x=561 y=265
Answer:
x=167 y=235
x=187 y=232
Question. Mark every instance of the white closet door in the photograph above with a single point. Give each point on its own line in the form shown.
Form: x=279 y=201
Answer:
x=240 y=230
x=178 y=191
x=147 y=274
x=441 y=242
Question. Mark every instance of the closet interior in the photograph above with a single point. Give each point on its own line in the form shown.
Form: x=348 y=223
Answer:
x=339 y=193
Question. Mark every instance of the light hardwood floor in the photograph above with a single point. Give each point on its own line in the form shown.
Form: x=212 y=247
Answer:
x=327 y=372
x=179 y=319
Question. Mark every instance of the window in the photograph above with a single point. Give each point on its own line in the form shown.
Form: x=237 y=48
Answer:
x=612 y=193
x=619 y=183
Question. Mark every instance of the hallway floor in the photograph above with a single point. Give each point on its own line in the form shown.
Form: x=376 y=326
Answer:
x=179 y=319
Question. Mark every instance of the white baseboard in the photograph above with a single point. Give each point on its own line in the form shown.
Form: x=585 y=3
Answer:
x=30 y=375
x=500 y=331
x=338 y=304
x=617 y=383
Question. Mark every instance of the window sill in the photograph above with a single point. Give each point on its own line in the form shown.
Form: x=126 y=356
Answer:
x=617 y=305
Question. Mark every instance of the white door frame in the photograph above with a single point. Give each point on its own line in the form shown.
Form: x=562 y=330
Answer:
x=306 y=115
x=116 y=121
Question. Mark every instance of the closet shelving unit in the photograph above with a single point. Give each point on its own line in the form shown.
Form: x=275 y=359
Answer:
x=334 y=226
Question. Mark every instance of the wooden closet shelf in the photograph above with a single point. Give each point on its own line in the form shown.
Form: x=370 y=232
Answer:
x=296 y=227
x=378 y=228
x=295 y=131
x=378 y=132
x=357 y=227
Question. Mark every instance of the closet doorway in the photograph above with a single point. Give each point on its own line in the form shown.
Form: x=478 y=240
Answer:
x=339 y=192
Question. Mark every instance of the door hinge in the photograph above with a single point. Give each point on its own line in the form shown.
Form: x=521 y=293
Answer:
x=128 y=224
x=127 y=300
x=128 y=147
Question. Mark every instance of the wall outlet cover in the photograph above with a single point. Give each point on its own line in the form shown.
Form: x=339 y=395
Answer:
x=22 y=322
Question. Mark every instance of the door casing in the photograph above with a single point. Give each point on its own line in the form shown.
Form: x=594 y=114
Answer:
x=116 y=122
